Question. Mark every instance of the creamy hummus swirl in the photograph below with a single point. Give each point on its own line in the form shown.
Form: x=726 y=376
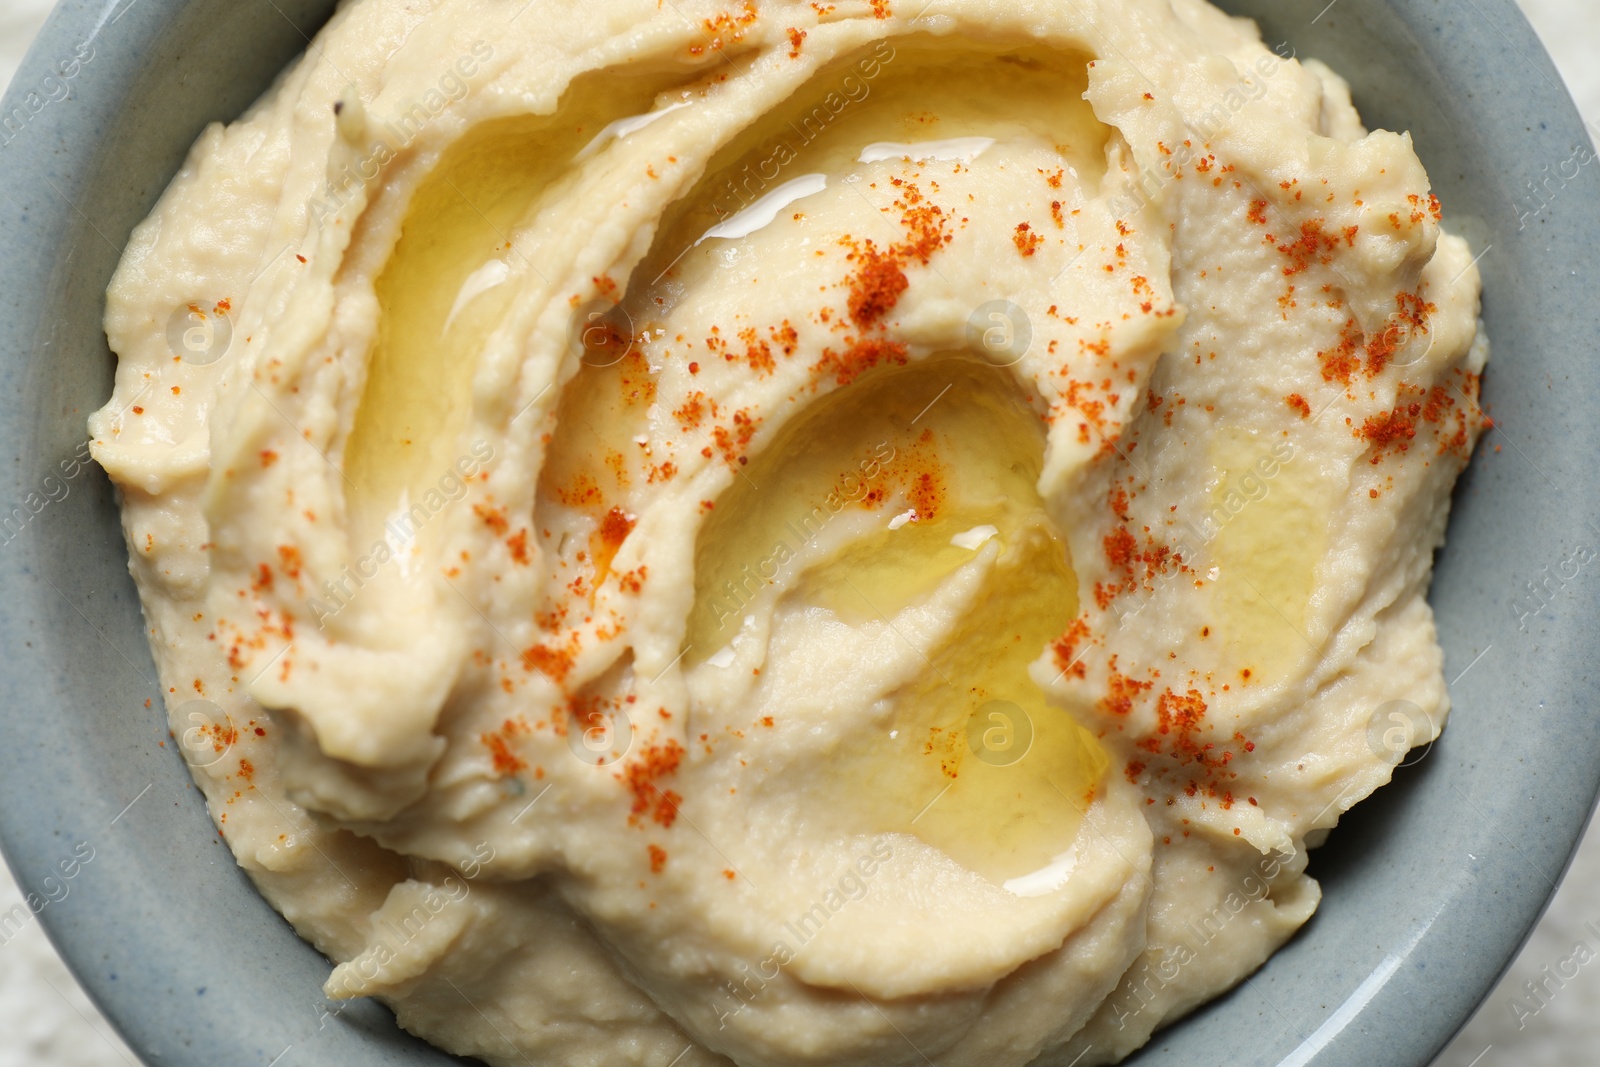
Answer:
x=851 y=533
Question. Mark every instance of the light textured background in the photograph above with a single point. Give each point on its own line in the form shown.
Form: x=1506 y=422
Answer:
x=46 y=1021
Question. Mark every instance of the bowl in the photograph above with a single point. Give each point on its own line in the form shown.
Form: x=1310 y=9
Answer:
x=1430 y=887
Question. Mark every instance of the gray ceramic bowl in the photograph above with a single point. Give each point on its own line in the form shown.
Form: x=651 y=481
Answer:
x=1430 y=887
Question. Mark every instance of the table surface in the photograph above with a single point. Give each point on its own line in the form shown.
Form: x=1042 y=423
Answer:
x=47 y=1021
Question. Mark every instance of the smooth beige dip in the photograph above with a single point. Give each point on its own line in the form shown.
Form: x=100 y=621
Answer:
x=838 y=534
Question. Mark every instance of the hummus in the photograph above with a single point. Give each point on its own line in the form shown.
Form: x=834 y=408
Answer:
x=813 y=533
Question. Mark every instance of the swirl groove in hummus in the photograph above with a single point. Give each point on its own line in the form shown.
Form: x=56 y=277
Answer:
x=846 y=534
